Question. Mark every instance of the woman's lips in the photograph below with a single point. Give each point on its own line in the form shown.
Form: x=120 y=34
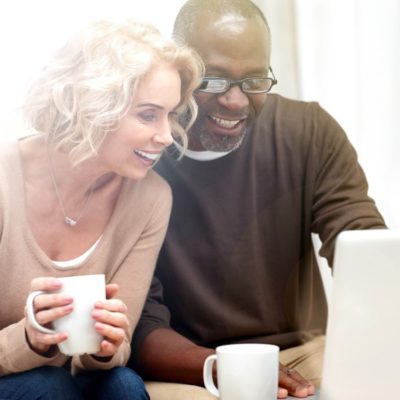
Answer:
x=147 y=157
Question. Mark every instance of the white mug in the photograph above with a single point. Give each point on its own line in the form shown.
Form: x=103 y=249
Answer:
x=85 y=290
x=247 y=371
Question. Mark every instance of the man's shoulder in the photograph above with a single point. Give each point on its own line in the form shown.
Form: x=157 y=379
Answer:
x=282 y=116
x=281 y=105
x=285 y=117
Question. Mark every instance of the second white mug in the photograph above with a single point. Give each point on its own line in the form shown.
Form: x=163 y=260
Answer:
x=82 y=336
x=247 y=371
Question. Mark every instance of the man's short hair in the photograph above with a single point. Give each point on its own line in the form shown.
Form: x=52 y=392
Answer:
x=192 y=10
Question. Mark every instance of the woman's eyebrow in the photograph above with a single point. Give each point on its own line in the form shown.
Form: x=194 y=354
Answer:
x=142 y=105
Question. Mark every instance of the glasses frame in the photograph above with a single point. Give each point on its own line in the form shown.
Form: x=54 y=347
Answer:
x=239 y=82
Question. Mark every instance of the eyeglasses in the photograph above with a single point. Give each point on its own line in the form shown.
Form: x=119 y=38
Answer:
x=251 y=85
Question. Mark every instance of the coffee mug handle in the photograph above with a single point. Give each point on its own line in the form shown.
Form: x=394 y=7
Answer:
x=31 y=313
x=208 y=375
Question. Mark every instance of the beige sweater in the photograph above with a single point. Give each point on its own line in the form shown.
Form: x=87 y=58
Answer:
x=126 y=253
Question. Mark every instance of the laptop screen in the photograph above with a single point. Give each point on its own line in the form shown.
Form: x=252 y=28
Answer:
x=362 y=352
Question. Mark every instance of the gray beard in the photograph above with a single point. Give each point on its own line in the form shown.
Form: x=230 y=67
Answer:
x=221 y=143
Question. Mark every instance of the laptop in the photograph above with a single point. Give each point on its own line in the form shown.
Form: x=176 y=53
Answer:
x=362 y=353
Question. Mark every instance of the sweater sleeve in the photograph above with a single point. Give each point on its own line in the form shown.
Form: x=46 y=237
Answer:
x=15 y=353
x=341 y=200
x=134 y=277
x=155 y=314
x=17 y=356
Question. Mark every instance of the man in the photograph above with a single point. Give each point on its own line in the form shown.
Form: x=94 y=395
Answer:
x=261 y=174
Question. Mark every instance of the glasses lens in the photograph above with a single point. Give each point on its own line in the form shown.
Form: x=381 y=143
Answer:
x=256 y=85
x=214 y=85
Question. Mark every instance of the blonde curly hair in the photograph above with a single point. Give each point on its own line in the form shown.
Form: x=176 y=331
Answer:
x=82 y=94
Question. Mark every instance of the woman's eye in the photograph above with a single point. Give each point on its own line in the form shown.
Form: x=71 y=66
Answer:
x=148 y=117
x=173 y=115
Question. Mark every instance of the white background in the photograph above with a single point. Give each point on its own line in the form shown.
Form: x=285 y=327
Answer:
x=343 y=53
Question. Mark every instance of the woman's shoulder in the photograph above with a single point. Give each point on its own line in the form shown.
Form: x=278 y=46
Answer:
x=152 y=188
x=9 y=158
x=155 y=180
x=141 y=201
x=8 y=148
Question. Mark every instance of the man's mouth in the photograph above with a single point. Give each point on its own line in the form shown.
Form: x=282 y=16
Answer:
x=226 y=123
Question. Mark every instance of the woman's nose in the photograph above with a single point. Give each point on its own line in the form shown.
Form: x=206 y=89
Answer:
x=164 y=134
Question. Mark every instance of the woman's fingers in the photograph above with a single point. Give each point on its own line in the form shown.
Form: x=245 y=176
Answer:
x=112 y=323
x=107 y=349
x=111 y=333
x=111 y=290
x=110 y=316
x=112 y=305
x=49 y=300
x=113 y=338
x=47 y=284
x=111 y=312
x=41 y=342
x=51 y=339
x=48 y=306
x=46 y=316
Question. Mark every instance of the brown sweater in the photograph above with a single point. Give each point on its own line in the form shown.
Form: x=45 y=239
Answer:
x=126 y=253
x=238 y=263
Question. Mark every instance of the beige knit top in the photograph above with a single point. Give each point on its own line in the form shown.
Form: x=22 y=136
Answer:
x=126 y=253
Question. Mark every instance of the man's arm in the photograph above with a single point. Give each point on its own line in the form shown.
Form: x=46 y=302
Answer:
x=159 y=352
x=165 y=355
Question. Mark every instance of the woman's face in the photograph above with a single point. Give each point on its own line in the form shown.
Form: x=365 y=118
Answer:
x=142 y=135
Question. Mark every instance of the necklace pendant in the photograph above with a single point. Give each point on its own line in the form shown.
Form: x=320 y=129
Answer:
x=69 y=221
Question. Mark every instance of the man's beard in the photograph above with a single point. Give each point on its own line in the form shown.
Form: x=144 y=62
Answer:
x=199 y=136
x=215 y=142
x=219 y=143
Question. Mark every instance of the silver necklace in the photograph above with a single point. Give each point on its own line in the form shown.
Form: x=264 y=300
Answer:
x=68 y=220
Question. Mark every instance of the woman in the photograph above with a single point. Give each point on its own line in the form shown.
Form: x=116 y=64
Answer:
x=79 y=197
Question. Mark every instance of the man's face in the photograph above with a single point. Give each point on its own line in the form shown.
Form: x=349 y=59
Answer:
x=234 y=48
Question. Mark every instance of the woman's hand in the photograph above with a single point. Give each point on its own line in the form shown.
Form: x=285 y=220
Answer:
x=48 y=307
x=111 y=322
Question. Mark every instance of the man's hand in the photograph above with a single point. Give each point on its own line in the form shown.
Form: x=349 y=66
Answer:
x=291 y=382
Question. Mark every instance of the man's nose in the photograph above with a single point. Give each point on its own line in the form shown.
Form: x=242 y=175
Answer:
x=234 y=99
